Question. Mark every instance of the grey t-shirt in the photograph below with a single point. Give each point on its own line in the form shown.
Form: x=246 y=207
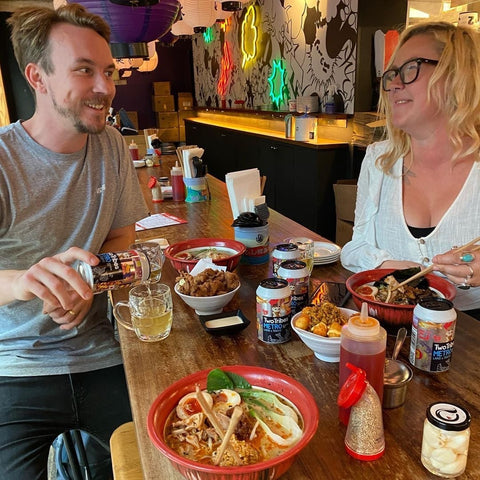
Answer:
x=48 y=203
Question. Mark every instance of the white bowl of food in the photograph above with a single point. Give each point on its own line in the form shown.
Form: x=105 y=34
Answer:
x=209 y=291
x=324 y=320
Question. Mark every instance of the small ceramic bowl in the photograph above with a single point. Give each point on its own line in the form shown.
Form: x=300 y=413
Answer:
x=207 y=305
x=324 y=348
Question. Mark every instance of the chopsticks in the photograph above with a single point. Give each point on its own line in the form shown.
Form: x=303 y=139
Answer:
x=237 y=413
x=213 y=420
x=430 y=268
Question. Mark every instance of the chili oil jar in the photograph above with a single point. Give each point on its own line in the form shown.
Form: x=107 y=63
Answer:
x=446 y=435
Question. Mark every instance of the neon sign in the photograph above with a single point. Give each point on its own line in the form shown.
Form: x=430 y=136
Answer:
x=278 y=82
x=209 y=35
x=249 y=36
x=226 y=66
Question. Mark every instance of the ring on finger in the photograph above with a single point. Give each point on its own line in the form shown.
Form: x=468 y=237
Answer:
x=470 y=275
x=72 y=312
x=465 y=285
x=467 y=257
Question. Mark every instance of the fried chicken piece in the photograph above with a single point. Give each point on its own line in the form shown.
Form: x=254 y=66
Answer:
x=208 y=283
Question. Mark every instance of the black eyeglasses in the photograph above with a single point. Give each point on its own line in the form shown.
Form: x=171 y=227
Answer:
x=408 y=72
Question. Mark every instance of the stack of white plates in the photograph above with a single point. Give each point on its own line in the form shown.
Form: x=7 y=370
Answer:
x=325 y=253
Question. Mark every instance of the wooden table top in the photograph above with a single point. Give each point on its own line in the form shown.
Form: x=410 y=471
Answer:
x=151 y=367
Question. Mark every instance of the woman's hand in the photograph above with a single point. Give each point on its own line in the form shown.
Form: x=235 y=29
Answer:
x=462 y=268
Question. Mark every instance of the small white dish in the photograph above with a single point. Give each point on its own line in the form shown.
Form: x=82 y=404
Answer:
x=138 y=163
x=207 y=305
x=324 y=348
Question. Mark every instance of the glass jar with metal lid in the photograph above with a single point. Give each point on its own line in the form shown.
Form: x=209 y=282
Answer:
x=446 y=435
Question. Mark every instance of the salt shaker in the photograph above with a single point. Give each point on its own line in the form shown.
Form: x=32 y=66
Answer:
x=365 y=438
x=446 y=435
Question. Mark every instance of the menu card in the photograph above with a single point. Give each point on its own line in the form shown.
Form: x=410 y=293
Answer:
x=158 y=220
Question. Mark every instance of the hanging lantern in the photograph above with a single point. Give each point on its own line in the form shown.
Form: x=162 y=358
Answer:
x=151 y=64
x=182 y=28
x=132 y=27
x=168 y=39
x=199 y=14
x=234 y=5
x=221 y=14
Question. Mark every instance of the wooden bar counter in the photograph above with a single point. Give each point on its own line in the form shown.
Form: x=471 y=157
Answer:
x=151 y=367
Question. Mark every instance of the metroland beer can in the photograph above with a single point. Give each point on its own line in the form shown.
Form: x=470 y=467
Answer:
x=274 y=311
x=115 y=270
x=296 y=273
x=433 y=330
x=283 y=252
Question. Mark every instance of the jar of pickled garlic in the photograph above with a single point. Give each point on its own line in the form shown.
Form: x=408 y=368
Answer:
x=446 y=434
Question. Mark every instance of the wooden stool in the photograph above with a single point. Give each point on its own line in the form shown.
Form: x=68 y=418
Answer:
x=125 y=455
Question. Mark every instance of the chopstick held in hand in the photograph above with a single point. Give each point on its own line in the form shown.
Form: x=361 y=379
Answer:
x=430 y=268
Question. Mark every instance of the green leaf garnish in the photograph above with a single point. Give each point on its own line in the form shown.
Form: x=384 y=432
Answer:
x=218 y=379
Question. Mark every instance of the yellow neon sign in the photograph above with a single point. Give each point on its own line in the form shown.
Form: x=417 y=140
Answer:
x=249 y=36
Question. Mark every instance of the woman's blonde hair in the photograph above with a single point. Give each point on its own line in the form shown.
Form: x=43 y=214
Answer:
x=458 y=96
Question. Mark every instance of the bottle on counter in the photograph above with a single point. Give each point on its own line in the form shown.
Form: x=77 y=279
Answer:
x=363 y=344
x=133 y=148
x=178 y=187
x=446 y=435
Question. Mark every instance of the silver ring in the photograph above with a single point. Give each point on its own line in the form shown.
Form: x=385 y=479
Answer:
x=470 y=275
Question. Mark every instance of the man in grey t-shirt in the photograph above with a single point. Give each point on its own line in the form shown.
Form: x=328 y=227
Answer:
x=68 y=190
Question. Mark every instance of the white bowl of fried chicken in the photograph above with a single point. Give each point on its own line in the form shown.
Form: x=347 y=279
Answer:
x=209 y=291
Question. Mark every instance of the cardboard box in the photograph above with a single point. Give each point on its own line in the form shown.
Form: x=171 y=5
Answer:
x=163 y=103
x=161 y=88
x=167 y=120
x=185 y=101
x=182 y=114
x=169 y=134
x=345 y=199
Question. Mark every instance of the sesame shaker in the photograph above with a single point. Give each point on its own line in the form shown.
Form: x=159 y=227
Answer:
x=365 y=438
x=446 y=435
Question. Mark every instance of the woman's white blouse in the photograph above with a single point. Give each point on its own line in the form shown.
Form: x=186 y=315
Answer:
x=381 y=233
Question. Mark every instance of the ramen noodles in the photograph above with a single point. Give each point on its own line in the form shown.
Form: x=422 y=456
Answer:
x=268 y=426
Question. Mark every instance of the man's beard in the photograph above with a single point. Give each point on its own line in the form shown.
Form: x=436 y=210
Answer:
x=73 y=116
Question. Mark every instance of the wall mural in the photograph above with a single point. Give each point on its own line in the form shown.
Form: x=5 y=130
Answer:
x=276 y=50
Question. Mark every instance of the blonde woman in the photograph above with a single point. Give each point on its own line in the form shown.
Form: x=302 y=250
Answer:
x=419 y=190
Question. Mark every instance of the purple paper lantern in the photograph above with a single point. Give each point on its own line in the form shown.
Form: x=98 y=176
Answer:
x=130 y=25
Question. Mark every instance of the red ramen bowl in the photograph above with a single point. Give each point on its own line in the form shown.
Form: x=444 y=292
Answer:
x=273 y=468
x=181 y=254
x=392 y=317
